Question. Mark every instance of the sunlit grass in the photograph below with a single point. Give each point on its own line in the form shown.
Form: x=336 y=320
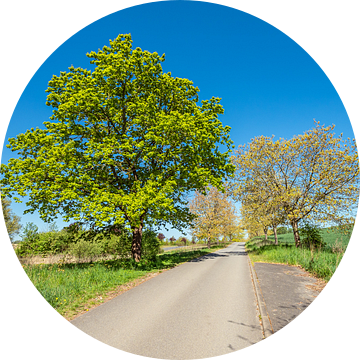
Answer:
x=320 y=262
x=73 y=288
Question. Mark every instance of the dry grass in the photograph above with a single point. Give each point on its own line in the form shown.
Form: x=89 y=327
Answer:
x=60 y=259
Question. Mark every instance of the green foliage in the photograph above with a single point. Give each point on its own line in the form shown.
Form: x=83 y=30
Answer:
x=44 y=243
x=182 y=241
x=30 y=232
x=83 y=249
x=117 y=245
x=321 y=263
x=85 y=245
x=125 y=142
x=12 y=221
x=72 y=288
x=257 y=242
x=69 y=288
x=322 y=260
x=150 y=245
x=283 y=230
x=310 y=236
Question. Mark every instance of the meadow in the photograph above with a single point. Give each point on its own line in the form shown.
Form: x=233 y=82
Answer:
x=74 y=288
x=321 y=262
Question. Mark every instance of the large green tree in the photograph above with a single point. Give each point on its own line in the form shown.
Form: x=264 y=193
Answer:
x=125 y=143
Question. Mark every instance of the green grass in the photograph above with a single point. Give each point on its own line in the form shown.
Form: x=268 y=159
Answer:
x=73 y=288
x=321 y=263
x=329 y=236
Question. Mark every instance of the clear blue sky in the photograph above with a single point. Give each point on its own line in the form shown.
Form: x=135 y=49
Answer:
x=268 y=84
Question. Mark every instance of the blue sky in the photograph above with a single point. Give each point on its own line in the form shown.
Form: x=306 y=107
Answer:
x=268 y=84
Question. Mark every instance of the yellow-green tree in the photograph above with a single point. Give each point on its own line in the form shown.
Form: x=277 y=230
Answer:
x=231 y=226
x=251 y=221
x=214 y=215
x=313 y=175
x=267 y=210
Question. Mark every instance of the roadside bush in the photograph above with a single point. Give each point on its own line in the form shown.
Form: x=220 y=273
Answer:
x=44 y=243
x=310 y=237
x=150 y=245
x=29 y=236
x=281 y=230
x=85 y=250
x=118 y=246
x=85 y=244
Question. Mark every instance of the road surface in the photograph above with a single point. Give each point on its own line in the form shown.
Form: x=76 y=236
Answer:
x=203 y=308
x=172 y=248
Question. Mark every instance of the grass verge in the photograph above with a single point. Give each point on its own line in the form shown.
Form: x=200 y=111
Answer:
x=72 y=289
x=321 y=263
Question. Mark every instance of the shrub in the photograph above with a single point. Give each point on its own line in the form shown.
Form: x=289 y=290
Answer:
x=117 y=245
x=281 y=230
x=29 y=232
x=85 y=250
x=29 y=236
x=150 y=245
x=310 y=236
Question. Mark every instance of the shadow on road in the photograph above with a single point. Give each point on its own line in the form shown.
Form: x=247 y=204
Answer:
x=217 y=255
x=255 y=328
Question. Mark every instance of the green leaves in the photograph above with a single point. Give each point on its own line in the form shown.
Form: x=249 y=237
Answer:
x=313 y=175
x=124 y=144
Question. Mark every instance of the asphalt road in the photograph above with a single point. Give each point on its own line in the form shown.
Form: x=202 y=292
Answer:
x=171 y=248
x=200 y=309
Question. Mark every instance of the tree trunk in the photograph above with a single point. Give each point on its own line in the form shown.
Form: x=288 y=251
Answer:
x=136 y=243
x=275 y=235
x=208 y=243
x=294 y=225
x=265 y=232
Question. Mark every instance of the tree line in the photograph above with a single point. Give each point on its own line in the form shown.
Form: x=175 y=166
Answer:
x=127 y=145
x=312 y=177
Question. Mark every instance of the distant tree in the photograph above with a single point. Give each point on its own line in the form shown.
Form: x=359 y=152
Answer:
x=172 y=240
x=161 y=236
x=281 y=230
x=30 y=232
x=214 y=214
x=12 y=221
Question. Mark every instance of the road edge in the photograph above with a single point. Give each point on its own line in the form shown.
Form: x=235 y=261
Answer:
x=264 y=316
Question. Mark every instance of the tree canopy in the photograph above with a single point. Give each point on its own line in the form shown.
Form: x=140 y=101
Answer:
x=125 y=142
x=214 y=216
x=313 y=175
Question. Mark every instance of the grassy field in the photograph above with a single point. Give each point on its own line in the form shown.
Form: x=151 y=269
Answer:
x=329 y=236
x=321 y=263
x=74 y=288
